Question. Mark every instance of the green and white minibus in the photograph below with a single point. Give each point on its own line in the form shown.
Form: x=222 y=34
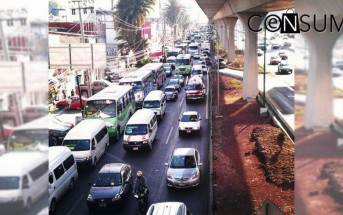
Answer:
x=183 y=64
x=114 y=104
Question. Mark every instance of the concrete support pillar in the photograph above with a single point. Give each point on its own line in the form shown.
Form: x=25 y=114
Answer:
x=250 y=75
x=230 y=23
x=224 y=36
x=319 y=94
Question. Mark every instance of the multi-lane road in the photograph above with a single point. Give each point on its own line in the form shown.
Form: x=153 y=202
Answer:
x=152 y=164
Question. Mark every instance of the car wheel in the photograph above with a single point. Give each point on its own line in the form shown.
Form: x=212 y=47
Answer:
x=52 y=206
x=95 y=162
x=150 y=146
x=71 y=185
x=180 y=133
x=60 y=107
x=28 y=204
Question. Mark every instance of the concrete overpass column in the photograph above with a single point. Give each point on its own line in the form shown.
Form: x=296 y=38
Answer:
x=319 y=98
x=230 y=22
x=250 y=74
x=224 y=34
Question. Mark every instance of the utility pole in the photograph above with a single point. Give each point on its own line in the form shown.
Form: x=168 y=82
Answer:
x=81 y=22
x=4 y=42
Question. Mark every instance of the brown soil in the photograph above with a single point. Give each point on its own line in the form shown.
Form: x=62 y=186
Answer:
x=240 y=183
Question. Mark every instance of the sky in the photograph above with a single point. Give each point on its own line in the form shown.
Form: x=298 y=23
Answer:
x=37 y=9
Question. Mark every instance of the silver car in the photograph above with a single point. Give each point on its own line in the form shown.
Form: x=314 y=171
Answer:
x=171 y=93
x=184 y=168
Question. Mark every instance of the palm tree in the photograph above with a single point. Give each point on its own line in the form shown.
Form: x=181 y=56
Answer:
x=129 y=18
x=173 y=11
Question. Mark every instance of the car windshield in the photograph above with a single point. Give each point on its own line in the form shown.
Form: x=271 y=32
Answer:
x=107 y=180
x=189 y=118
x=169 y=89
x=173 y=81
x=77 y=145
x=284 y=64
x=196 y=72
x=151 y=104
x=193 y=47
x=194 y=87
x=182 y=162
x=9 y=182
x=100 y=109
x=136 y=129
x=182 y=61
x=29 y=139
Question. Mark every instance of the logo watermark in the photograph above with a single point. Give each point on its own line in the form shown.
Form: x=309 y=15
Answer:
x=294 y=23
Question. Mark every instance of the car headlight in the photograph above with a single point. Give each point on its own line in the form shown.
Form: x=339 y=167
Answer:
x=117 y=197
x=88 y=158
x=145 y=142
x=197 y=127
x=126 y=142
x=90 y=198
x=169 y=176
x=195 y=175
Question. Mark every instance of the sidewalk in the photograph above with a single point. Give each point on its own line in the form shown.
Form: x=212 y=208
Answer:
x=275 y=90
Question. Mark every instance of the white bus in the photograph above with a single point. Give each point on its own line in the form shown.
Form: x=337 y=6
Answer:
x=31 y=136
x=115 y=105
x=142 y=82
x=158 y=71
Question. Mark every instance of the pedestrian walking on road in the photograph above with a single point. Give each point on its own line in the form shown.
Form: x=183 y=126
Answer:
x=72 y=92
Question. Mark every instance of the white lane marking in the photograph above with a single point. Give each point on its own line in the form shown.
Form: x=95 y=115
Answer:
x=181 y=101
x=170 y=132
x=74 y=206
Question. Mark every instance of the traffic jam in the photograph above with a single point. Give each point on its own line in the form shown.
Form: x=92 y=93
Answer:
x=130 y=112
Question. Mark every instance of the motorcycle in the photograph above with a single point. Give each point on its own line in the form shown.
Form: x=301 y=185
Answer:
x=142 y=200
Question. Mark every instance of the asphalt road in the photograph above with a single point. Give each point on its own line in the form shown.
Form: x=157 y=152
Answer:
x=152 y=165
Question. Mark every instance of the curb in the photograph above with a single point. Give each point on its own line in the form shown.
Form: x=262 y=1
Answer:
x=210 y=208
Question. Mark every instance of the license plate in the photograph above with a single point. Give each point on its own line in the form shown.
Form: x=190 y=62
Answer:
x=188 y=131
x=135 y=148
x=102 y=204
x=181 y=184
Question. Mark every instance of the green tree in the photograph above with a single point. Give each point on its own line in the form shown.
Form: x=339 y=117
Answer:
x=173 y=12
x=129 y=18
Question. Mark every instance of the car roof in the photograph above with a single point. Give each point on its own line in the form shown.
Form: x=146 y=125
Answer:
x=184 y=151
x=169 y=86
x=196 y=66
x=141 y=116
x=112 y=168
x=190 y=113
x=85 y=129
x=162 y=208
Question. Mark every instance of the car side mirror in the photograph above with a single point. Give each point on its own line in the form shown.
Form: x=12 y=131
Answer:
x=26 y=186
x=93 y=147
x=200 y=164
x=150 y=130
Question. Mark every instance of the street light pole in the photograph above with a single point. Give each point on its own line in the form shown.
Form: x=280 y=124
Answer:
x=1 y=122
x=217 y=67
x=264 y=70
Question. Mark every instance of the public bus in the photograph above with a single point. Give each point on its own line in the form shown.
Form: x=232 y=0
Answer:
x=174 y=52
x=31 y=136
x=183 y=64
x=142 y=81
x=159 y=73
x=114 y=104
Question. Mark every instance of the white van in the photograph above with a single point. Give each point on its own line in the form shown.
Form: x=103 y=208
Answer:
x=87 y=141
x=156 y=101
x=22 y=179
x=168 y=208
x=62 y=174
x=140 y=130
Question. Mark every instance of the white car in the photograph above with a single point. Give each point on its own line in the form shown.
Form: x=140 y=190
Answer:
x=196 y=70
x=184 y=168
x=190 y=122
